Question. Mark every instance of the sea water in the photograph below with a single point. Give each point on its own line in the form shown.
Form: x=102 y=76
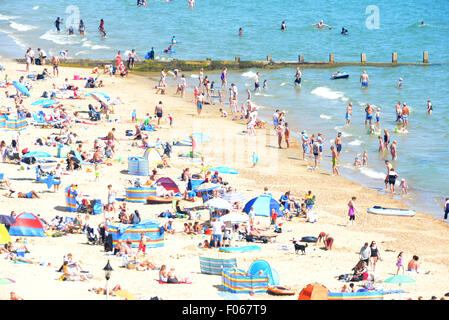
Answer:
x=211 y=31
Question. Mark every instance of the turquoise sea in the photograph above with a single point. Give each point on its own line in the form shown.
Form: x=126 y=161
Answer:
x=211 y=31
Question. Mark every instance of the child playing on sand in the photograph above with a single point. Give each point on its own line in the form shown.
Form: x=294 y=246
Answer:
x=224 y=113
x=170 y=119
x=142 y=244
x=134 y=116
x=404 y=186
x=352 y=210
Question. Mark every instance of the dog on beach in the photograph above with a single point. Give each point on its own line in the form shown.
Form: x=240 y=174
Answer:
x=299 y=247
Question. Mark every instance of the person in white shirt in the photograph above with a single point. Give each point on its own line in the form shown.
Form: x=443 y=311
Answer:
x=217 y=232
x=57 y=175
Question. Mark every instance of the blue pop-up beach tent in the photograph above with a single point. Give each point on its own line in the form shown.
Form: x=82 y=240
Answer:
x=263 y=205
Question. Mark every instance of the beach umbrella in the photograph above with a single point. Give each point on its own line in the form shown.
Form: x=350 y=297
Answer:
x=226 y=170
x=218 y=203
x=44 y=102
x=21 y=88
x=233 y=197
x=400 y=279
x=234 y=217
x=100 y=98
x=200 y=137
x=206 y=187
x=6 y=281
x=98 y=93
x=263 y=205
x=37 y=154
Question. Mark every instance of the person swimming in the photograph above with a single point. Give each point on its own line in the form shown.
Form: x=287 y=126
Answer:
x=344 y=31
x=321 y=24
x=173 y=40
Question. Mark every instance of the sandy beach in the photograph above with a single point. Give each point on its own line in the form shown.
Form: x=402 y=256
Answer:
x=280 y=170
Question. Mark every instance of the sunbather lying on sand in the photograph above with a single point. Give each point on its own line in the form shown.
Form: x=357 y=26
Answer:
x=103 y=290
x=29 y=195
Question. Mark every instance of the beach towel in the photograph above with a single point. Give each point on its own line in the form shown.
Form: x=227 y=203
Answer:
x=162 y=282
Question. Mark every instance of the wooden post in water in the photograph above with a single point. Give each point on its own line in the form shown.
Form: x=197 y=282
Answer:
x=394 y=58
x=331 y=58
x=237 y=59
x=425 y=57
x=301 y=58
x=363 y=58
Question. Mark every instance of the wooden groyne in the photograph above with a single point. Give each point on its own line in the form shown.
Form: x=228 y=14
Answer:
x=215 y=65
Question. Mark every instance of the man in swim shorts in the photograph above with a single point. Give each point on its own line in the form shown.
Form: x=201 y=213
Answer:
x=55 y=62
x=369 y=114
x=364 y=79
x=334 y=162
x=158 y=111
x=338 y=144
x=405 y=114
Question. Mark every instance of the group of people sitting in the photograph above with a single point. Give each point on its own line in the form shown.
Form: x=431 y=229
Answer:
x=124 y=217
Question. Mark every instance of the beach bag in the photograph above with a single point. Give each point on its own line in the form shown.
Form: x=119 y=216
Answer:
x=97 y=207
x=37 y=61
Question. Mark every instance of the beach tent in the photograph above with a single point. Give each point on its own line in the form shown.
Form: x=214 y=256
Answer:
x=4 y=235
x=154 y=232
x=138 y=166
x=364 y=295
x=16 y=124
x=168 y=184
x=237 y=281
x=313 y=291
x=139 y=195
x=263 y=205
x=153 y=157
x=71 y=195
x=27 y=225
x=216 y=265
x=263 y=266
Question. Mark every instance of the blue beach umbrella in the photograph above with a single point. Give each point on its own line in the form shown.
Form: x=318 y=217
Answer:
x=37 y=154
x=263 y=205
x=44 y=102
x=100 y=93
x=200 y=137
x=206 y=187
x=226 y=170
x=21 y=88
x=399 y=279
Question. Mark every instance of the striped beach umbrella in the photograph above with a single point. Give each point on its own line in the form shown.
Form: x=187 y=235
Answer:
x=233 y=197
x=218 y=203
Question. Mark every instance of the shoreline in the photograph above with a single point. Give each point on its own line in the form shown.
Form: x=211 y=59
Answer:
x=394 y=234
